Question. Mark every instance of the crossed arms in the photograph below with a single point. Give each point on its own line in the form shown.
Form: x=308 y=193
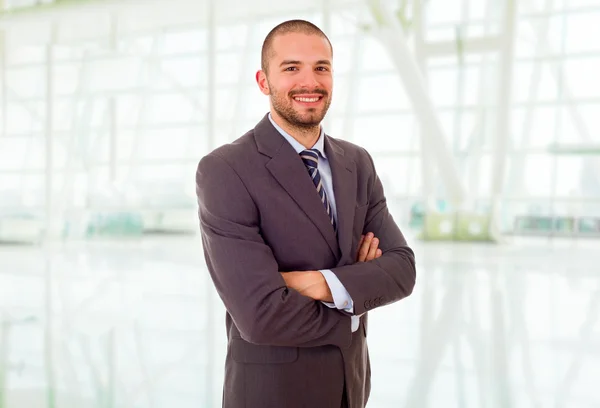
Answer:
x=313 y=283
x=246 y=276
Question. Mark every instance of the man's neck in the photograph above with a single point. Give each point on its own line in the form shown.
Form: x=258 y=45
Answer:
x=307 y=137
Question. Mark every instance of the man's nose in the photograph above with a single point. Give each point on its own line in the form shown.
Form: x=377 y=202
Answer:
x=309 y=80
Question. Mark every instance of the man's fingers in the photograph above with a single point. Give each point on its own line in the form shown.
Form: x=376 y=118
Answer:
x=378 y=253
x=362 y=239
x=363 y=252
x=373 y=249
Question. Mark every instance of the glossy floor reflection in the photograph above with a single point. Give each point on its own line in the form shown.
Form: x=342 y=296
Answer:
x=136 y=324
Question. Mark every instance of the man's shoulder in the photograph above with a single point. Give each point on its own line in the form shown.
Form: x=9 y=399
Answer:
x=236 y=151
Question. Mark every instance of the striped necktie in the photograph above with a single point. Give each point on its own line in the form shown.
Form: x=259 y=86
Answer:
x=311 y=161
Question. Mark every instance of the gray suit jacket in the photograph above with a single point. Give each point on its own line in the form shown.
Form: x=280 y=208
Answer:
x=260 y=214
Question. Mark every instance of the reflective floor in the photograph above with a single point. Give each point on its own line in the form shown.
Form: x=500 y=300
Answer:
x=135 y=323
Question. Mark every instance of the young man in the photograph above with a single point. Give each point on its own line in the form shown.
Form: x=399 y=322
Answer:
x=289 y=217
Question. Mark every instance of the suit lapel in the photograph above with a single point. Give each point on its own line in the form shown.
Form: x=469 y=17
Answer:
x=289 y=171
x=344 y=186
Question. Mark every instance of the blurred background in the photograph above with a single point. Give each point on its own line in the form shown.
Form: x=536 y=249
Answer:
x=482 y=117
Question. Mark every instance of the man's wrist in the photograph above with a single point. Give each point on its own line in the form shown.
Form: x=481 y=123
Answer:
x=324 y=293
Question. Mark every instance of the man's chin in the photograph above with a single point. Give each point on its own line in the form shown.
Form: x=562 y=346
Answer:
x=310 y=119
x=305 y=119
x=308 y=123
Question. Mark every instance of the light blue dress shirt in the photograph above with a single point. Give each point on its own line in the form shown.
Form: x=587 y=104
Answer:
x=341 y=297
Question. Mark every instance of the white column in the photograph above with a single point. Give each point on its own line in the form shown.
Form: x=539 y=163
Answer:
x=48 y=134
x=241 y=91
x=4 y=89
x=112 y=106
x=211 y=74
x=49 y=356
x=504 y=116
x=4 y=336
x=484 y=101
x=392 y=37
x=352 y=82
x=515 y=172
x=427 y=170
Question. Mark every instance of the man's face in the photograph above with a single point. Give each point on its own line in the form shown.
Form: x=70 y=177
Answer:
x=299 y=80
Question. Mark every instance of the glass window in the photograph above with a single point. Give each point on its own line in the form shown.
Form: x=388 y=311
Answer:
x=168 y=108
x=24 y=54
x=443 y=11
x=186 y=41
x=24 y=117
x=115 y=74
x=540 y=77
x=384 y=133
x=375 y=56
x=589 y=114
x=536 y=127
x=26 y=82
x=399 y=175
x=580 y=76
x=537 y=175
x=230 y=68
x=168 y=143
x=581 y=27
x=233 y=36
x=381 y=93
x=568 y=176
x=182 y=72
x=443 y=86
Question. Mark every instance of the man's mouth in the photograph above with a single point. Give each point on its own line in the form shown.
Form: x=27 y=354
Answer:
x=308 y=98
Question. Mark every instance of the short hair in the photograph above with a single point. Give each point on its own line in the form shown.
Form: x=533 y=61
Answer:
x=290 y=26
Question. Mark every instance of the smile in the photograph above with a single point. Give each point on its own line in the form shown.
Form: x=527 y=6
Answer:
x=307 y=99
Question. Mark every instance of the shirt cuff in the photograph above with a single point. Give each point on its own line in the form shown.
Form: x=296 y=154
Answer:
x=341 y=297
x=355 y=323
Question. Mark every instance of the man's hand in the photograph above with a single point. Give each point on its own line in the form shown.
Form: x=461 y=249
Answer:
x=368 y=248
x=309 y=283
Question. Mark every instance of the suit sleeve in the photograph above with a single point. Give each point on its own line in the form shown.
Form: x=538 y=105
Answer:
x=392 y=276
x=246 y=274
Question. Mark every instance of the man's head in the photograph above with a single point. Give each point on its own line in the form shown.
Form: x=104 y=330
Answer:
x=296 y=73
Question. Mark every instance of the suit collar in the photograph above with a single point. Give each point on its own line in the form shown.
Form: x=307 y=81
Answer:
x=268 y=139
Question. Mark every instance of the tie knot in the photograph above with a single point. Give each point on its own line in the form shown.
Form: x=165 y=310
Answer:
x=310 y=157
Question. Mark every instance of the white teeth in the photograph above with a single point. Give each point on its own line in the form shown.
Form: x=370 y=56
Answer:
x=307 y=99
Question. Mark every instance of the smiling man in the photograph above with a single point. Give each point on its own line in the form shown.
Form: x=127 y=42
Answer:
x=298 y=240
x=299 y=102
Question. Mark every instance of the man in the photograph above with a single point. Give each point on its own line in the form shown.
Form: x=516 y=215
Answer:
x=283 y=213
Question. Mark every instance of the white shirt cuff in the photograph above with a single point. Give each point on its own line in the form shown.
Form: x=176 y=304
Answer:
x=341 y=297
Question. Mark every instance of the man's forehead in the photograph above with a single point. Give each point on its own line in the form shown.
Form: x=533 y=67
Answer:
x=300 y=41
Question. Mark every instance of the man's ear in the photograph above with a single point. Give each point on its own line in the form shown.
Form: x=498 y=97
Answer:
x=263 y=84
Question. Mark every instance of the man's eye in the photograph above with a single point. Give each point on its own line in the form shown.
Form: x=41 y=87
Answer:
x=323 y=68
x=290 y=68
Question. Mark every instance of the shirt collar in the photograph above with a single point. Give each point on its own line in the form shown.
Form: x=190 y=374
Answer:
x=319 y=145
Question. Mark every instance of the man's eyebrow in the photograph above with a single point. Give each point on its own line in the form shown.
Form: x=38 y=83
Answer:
x=295 y=62
x=289 y=62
